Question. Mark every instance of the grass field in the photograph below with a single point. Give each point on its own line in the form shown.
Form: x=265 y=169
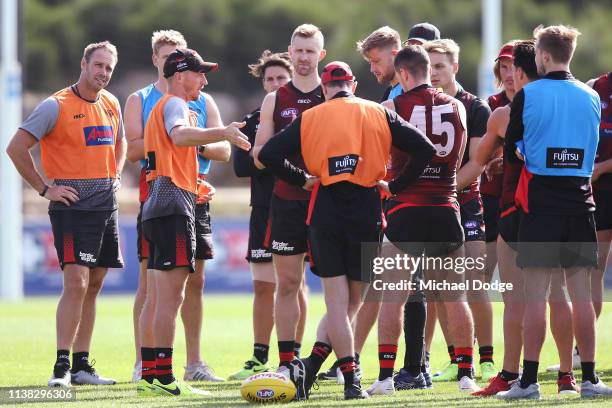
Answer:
x=27 y=341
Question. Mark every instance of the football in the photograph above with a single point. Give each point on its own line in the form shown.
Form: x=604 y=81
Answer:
x=267 y=387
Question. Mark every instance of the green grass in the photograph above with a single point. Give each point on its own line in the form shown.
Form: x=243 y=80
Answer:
x=27 y=344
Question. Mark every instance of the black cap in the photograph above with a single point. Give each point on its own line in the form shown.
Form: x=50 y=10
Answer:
x=186 y=59
x=424 y=32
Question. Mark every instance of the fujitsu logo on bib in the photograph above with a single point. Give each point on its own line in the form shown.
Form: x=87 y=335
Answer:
x=99 y=135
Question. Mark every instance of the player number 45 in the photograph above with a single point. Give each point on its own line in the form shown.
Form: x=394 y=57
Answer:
x=438 y=127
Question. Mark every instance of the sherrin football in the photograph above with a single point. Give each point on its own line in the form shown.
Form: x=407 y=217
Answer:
x=267 y=387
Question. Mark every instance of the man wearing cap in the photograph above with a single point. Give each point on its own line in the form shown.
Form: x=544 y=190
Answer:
x=137 y=110
x=170 y=139
x=345 y=143
x=491 y=180
x=422 y=32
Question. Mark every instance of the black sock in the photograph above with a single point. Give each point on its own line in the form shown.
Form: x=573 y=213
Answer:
x=347 y=366
x=508 y=376
x=62 y=363
x=80 y=360
x=296 y=349
x=163 y=365
x=451 y=353
x=530 y=373
x=260 y=351
x=486 y=354
x=588 y=372
x=320 y=352
x=415 y=316
x=147 y=365
x=286 y=351
x=357 y=358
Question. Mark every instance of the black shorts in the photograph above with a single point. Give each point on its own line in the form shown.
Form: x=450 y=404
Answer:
x=257 y=252
x=553 y=241
x=603 y=209
x=433 y=229
x=88 y=238
x=344 y=231
x=171 y=242
x=472 y=220
x=203 y=231
x=491 y=216
x=508 y=225
x=288 y=230
x=142 y=245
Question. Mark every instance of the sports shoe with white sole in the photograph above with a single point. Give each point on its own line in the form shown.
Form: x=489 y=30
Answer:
x=487 y=371
x=137 y=372
x=88 y=375
x=384 y=387
x=60 y=377
x=355 y=392
x=145 y=389
x=449 y=373
x=467 y=384
x=177 y=389
x=599 y=389
x=201 y=371
x=516 y=392
x=575 y=363
x=251 y=367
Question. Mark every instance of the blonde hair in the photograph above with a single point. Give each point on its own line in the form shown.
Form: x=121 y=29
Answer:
x=167 y=37
x=98 y=46
x=380 y=38
x=558 y=40
x=445 y=46
x=270 y=59
x=308 y=31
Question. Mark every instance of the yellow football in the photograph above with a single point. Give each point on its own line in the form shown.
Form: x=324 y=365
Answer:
x=267 y=387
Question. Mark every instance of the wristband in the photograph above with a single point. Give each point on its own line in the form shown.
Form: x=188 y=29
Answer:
x=42 y=193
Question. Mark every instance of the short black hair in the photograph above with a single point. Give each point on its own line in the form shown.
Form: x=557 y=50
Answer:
x=524 y=58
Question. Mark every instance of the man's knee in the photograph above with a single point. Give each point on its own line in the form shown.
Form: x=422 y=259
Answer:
x=195 y=283
x=76 y=281
x=264 y=289
x=288 y=284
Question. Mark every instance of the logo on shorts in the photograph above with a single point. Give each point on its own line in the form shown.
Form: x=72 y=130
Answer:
x=99 y=135
x=343 y=164
x=260 y=253
x=85 y=257
x=564 y=158
x=289 y=112
x=282 y=246
x=167 y=263
x=471 y=224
